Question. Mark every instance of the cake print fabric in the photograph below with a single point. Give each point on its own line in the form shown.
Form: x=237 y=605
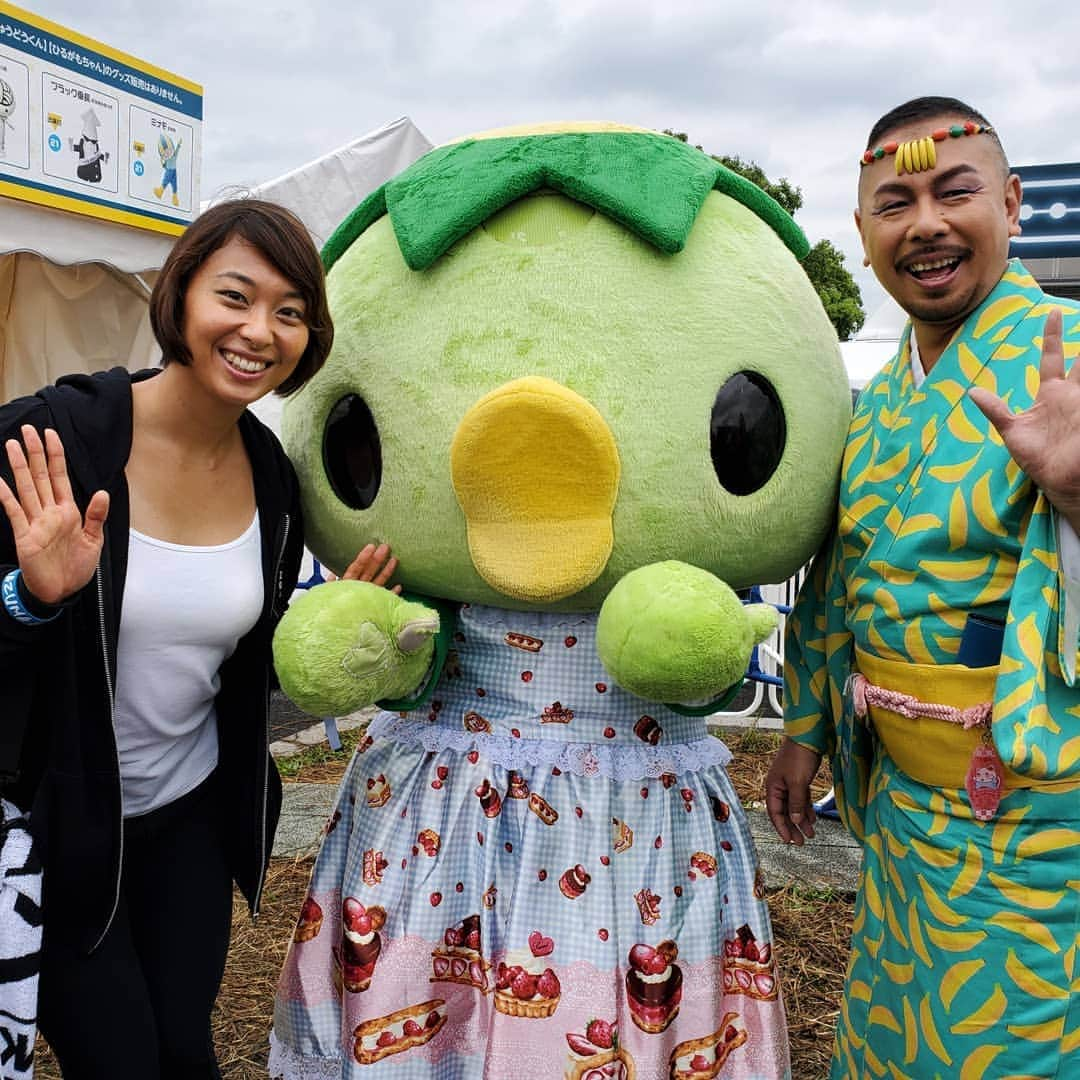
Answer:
x=537 y=875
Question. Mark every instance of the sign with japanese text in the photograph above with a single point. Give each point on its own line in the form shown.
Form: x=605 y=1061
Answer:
x=89 y=129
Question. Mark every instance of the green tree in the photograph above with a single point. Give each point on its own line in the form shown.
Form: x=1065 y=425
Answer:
x=839 y=293
x=824 y=265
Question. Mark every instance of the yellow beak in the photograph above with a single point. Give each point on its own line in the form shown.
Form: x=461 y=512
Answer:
x=536 y=472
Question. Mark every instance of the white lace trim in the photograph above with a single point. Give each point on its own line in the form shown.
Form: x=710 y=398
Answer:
x=481 y=615
x=287 y=1064
x=584 y=759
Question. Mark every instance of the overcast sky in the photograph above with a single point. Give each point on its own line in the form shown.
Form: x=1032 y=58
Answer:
x=794 y=86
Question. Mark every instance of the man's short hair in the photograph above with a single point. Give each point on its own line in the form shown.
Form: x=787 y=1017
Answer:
x=927 y=108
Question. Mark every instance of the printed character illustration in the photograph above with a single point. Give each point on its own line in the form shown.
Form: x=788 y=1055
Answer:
x=88 y=149
x=984 y=782
x=168 y=151
x=7 y=107
x=584 y=388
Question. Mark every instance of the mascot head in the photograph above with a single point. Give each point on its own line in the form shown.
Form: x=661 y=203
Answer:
x=562 y=354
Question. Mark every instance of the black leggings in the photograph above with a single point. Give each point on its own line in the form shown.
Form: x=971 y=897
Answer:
x=138 y=1008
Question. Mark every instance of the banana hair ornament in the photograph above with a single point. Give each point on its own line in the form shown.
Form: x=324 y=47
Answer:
x=918 y=155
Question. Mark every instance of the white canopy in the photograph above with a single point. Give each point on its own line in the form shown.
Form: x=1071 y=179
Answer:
x=73 y=295
x=874 y=345
x=324 y=191
x=70 y=239
x=74 y=290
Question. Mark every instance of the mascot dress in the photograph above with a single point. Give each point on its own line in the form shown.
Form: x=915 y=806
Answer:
x=582 y=385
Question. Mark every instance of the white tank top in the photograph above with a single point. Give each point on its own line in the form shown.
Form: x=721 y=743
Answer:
x=184 y=610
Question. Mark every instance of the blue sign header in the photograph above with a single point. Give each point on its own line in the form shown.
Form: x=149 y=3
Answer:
x=103 y=69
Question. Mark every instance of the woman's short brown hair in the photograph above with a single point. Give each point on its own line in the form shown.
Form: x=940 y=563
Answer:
x=281 y=238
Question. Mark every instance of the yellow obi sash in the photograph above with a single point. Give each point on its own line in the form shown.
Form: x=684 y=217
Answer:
x=933 y=752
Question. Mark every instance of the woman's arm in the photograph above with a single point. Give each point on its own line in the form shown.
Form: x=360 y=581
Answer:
x=25 y=620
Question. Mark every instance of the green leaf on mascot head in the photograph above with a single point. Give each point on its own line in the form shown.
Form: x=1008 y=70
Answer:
x=534 y=411
x=650 y=183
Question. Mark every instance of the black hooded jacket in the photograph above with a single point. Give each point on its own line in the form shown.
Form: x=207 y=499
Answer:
x=58 y=754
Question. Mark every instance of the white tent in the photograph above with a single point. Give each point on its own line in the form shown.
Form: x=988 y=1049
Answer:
x=73 y=295
x=324 y=191
x=74 y=290
x=874 y=345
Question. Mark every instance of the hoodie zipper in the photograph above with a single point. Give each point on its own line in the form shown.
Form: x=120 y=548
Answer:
x=112 y=721
x=277 y=588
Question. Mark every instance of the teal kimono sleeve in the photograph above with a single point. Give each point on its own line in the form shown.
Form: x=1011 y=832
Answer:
x=818 y=655
x=1068 y=598
x=809 y=716
x=1036 y=720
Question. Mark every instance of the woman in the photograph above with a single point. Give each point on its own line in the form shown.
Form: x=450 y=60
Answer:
x=142 y=580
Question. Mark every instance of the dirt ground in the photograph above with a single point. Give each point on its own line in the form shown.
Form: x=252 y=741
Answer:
x=811 y=930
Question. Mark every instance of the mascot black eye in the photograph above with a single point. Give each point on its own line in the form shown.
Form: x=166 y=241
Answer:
x=352 y=455
x=747 y=433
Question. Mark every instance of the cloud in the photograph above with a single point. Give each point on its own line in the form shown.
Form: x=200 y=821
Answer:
x=794 y=87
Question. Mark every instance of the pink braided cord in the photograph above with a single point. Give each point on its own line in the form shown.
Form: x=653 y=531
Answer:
x=864 y=693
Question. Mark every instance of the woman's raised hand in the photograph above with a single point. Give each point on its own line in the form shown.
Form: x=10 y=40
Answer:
x=57 y=550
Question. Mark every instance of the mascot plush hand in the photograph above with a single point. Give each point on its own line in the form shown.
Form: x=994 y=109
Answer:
x=583 y=387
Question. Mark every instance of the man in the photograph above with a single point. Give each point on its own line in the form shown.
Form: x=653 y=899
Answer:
x=932 y=653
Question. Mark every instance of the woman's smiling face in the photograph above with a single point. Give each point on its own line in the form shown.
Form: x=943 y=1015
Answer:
x=244 y=323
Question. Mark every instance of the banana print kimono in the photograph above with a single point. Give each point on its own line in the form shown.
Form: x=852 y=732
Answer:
x=965 y=958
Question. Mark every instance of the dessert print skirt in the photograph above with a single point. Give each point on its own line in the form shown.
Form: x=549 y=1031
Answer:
x=540 y=876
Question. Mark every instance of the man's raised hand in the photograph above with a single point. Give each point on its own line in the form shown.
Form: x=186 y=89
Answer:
x=1044 y=440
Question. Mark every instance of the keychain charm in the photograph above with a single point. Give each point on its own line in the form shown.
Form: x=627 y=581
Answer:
x=985 y=781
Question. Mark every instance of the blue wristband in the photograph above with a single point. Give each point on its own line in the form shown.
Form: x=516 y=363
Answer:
x=13 y=604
